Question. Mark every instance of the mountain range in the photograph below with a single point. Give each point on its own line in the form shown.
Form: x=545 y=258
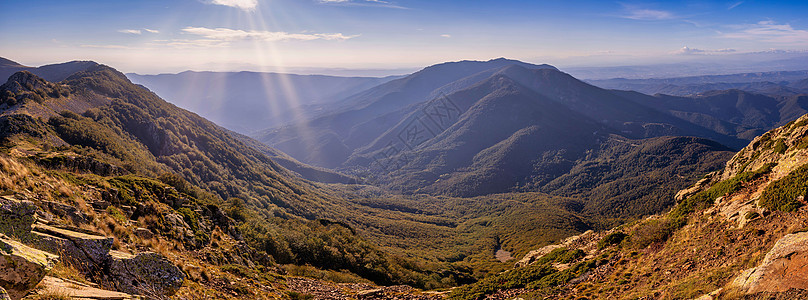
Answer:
x=503 y=126
x=445 y=167
x=770 y=83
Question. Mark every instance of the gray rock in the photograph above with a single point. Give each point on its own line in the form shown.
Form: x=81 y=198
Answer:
x=84 y=251
x=16 y=217
x=146 y=273
x=22 y=267
x=784 y=267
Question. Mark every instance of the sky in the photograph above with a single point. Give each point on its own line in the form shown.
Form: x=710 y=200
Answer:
x=155 y=36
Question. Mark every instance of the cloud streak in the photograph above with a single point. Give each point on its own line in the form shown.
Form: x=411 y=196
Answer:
x=130 y=31
x=638 y=13
x=695 y=51
x=138 y=31
x=232 y=35
x=770 y=32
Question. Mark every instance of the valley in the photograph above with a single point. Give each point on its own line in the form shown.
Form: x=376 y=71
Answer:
x=510 y=157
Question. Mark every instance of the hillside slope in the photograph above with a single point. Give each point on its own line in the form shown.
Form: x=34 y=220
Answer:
x=98 y=132
x=738 y=233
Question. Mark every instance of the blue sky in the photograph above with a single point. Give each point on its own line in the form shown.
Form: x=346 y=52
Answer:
x=169 y=36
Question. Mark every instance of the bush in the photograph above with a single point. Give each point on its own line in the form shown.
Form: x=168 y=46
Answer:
x=780 y=147
x=612 y=239
x=653 y=231
x=784 y=194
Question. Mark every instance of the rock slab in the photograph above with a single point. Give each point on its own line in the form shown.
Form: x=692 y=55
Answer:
x=784 y=267
x=78 y=290
x=22 y=267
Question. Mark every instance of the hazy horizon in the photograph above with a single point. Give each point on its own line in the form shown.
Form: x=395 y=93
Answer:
x=395 y=37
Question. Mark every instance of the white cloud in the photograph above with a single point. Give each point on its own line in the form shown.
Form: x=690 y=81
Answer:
x=771 y=32
x=130 y=31
x=734 y=5
x=695 y=51
x=446 y=35
x=638 y=13
x=151 y=30
x=242 y=4
x=186 y=43
x=228 y=35
x=105 y=46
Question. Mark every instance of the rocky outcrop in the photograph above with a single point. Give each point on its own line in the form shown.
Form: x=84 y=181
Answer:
x=24 y=81
x=701 y=185
x=784 y=267
x=146 y=273
x=22 y=267
x=82 y=164
x=84 y=251
x=577 y=241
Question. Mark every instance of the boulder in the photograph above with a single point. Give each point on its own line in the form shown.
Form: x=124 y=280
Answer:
x=84 y=251
x=146 y=273
x=784 y=267
x=22 y=267
x=16 y=217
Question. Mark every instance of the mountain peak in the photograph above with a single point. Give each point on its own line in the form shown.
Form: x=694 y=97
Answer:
x=484 y=65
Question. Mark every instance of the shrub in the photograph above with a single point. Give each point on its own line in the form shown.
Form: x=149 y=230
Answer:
x=780 y=147
x=612 y=239
x=653 y=231
x=784 y=194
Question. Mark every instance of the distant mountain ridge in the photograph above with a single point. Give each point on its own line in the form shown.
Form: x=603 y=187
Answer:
x=772 y=83
x=248 y=101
